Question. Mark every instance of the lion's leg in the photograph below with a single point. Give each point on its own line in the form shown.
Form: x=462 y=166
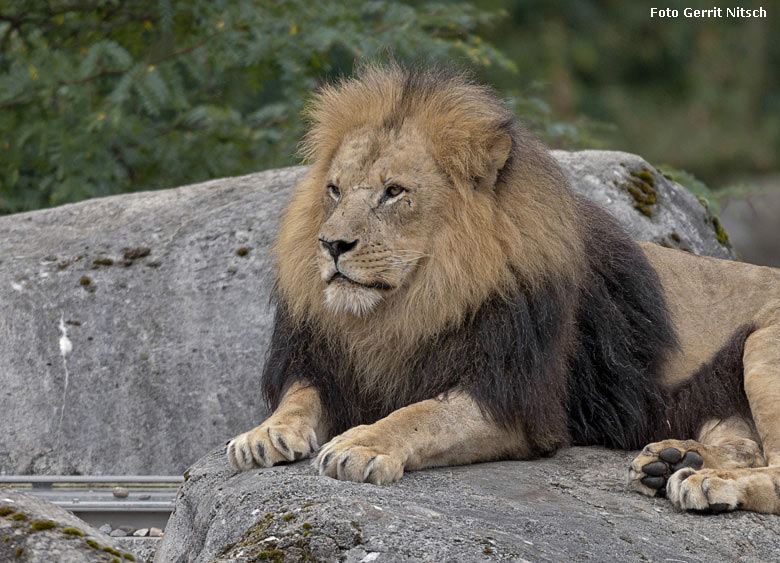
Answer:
x=755 y=489
x=293 y=431
x=721 y=444
x=443 y=431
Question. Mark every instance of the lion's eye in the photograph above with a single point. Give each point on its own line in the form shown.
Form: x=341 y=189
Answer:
x=334 y=192
x=393 y=191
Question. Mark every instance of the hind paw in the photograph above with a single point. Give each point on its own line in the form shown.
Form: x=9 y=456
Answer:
x=651 y=469
x=703 y=490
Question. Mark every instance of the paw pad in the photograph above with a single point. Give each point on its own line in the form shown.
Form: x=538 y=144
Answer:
x=672 y=461
x=670 y=455
x=652 y=469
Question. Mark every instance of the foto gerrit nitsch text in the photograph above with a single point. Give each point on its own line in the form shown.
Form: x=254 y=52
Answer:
x=714 y=12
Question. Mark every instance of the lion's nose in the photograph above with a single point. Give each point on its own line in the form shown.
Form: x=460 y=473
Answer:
x=337 y=247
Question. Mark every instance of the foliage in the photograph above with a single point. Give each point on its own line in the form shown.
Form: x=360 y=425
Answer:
x=714 y=199
x=104 y=96
x=537 y=114
x=701 y=94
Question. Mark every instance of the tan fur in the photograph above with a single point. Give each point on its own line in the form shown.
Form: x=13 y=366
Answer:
x=709 y=300
x=294 y=431
x=443 y=431
x=723 y=490
x=403 y=283
x=701 y=293
x=724 y=444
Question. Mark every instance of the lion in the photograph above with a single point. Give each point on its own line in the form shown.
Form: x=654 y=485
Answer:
x=443 y=297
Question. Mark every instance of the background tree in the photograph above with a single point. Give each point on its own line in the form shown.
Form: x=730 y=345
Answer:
x=108 y=96
x=699 y=94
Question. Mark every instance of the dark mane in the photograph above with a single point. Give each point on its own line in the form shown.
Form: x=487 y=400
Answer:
x=569 y=347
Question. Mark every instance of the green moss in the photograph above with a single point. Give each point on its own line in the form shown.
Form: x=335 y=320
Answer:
x=71 y=531
x=102 y=262
x=306 y=526
x=646 y=192
x=675 y=237
x=129 y=556
x=289 y=516
x=40 y=525
x=93 y=544
x=115 y=560
x=85 y=281
x=112 y=551
x=644 y=210
x=271 y=555
x=640 y=187
x=243 y=251
x=720 y=232
x=19 y=516
x=19 y=551
x=645 y=175
x=6 y=510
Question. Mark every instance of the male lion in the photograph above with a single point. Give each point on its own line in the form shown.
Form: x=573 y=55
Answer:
x=443 y=297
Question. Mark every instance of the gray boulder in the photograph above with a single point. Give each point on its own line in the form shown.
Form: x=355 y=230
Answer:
x=574 y=506
x=35 y=531
x=649 y=205
x=133 y=328
x=163 y=297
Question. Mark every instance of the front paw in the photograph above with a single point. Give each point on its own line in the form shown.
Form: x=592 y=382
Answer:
x=360 y=455
x=651 y=469
x=270 y=444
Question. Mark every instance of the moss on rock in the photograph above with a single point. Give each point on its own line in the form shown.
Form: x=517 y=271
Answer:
x=640 y=187
x=720 y=232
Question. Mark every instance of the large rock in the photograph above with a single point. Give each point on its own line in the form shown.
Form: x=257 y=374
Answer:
x=35 y=531
x=167 y=348
x=574 y=506
x=649 y=205
x=133 y=328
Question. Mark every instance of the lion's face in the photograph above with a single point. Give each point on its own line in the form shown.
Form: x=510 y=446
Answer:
x=381 y=192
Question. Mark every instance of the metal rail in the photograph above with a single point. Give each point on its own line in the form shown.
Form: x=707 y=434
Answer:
x=92 y=479
x=148 y=502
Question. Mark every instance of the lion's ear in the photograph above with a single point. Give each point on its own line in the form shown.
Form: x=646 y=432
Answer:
x=498 y=153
